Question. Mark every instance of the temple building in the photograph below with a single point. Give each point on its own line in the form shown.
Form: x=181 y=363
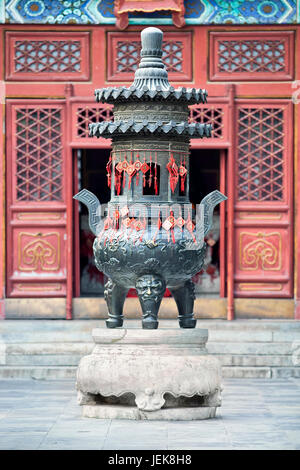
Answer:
x=55 y=54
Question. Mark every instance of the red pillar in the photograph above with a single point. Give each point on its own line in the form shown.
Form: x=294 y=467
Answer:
x=230 y=208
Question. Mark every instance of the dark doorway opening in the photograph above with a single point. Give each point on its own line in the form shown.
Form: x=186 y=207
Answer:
x=92 y=176
x=204 y=178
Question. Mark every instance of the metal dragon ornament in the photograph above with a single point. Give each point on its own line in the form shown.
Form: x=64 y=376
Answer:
x=150 y=237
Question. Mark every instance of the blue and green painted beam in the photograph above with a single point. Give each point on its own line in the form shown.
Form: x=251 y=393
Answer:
x=102 y=12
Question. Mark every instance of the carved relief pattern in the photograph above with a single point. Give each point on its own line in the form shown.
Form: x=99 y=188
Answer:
x=260 y=251
x=39 y=252
x=139 y=113
x=39 y=154
x=125 y=261
x=260 y=154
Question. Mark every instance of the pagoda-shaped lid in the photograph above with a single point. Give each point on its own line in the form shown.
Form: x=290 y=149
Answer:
x=151 y=78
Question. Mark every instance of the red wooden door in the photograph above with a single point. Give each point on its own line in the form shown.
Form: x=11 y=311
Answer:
x=264 y=199
x=36 y=207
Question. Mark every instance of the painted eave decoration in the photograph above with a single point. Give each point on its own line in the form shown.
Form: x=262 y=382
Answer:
x=191 y=12
x=123 y=7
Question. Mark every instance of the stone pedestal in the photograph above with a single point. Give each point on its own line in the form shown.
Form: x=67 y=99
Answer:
x=149 y=374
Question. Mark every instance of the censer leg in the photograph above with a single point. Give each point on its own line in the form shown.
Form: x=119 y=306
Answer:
x=184 y=296
x=150 y=289
x=115 y=296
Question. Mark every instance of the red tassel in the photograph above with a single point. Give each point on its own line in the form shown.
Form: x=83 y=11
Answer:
x=119 y=178
x=155 y=175
x=138 y=167
x=190 y=226
x=125 y=166
x=172 y=220
x=173 y=171
x=182 y=173
x=144 y=169
x=144 y=228
x=158 y=227
x=107 y=225
x=130 y=171
x=150 y=175
x=108 y=169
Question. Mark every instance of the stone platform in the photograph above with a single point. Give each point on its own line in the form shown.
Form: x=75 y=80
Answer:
x=149 y=374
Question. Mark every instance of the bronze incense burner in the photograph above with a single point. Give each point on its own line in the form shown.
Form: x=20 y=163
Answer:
x=150 y=237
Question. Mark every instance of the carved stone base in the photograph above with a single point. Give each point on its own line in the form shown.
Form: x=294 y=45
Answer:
x=149 y=374
x=132 y=412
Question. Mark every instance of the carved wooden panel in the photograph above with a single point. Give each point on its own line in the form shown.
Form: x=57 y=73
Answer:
x=260 y=251
x=39 y=252
x=40 y=258
x=252 y=55
x=124 y=55
x=47 y=56
x=263 y=264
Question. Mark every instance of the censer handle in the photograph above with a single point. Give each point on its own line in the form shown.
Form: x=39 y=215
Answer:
x=94 y=208
x=209 y=202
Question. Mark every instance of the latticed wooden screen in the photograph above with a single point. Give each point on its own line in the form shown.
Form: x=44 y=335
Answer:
x=251 y=55
x=39 y=165
x=126 y=55
x=40 y=56
x=84 y=114
x=88 y=114
x=264 y=172
x=260 y=154
x=209 y=115
x=36 y=182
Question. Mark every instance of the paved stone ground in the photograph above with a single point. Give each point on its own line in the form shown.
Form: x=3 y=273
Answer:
x=256 y=414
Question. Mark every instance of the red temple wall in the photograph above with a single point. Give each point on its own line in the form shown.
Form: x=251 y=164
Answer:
x=49 y=75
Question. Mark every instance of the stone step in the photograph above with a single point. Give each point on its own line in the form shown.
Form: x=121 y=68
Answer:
x=73 y=360
x=67 y=372
x=246 y=348
x=227 y=332
x=38 y=373
x=49 y=355
x=81 y=348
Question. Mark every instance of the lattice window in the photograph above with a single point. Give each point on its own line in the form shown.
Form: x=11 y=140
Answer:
x=251 y=55
x=173 y=55
x=87 y=115
x=47 y=56
x=126 y=55
x=260 y=154
x=32 y=56
x=39 y=154
x=210 y=115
